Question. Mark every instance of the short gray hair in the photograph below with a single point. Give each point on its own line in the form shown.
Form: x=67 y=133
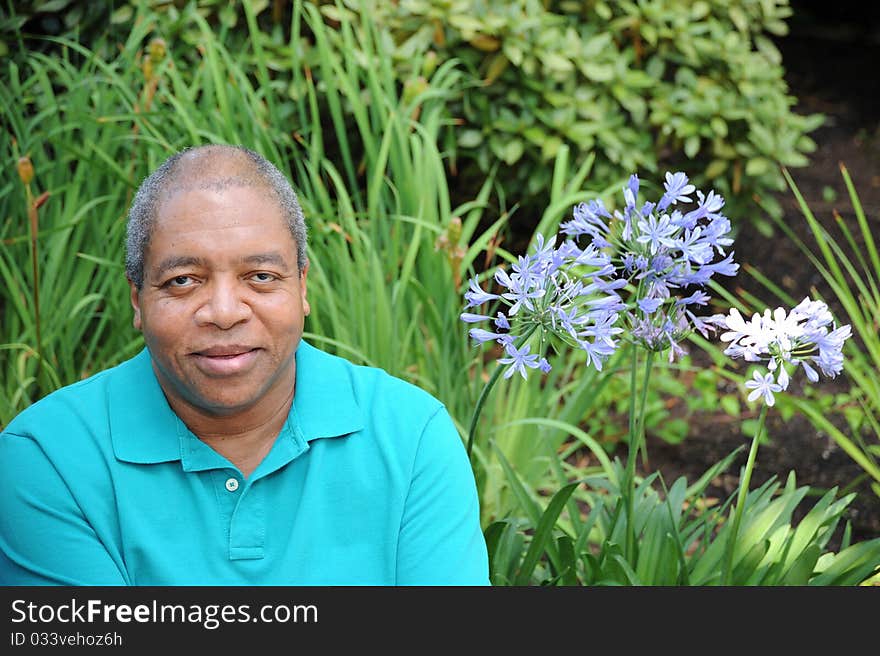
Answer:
x=215 y=166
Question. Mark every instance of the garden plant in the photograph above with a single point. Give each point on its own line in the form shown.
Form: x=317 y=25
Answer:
x=851 y=270
x=639 y=279
x=375 y=130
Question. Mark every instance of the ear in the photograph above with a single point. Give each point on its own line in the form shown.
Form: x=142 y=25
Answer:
x=136 y=305
x=302 y=290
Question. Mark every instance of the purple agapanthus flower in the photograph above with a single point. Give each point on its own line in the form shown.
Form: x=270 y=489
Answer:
x=762 y=386
x=636 y=273
x=561 y=291
x=519 y=359
x=670 y=249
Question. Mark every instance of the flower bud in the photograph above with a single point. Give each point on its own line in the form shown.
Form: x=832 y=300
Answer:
x=25 y=169
x=157 y=50
x=454 y=229
x=147 y=68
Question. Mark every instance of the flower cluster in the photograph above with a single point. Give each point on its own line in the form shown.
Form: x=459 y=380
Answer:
x=805 y=337
x=661 y=254
x=564 y=291
x=663 y=250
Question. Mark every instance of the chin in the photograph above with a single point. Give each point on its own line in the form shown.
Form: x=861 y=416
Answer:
x=225 y=403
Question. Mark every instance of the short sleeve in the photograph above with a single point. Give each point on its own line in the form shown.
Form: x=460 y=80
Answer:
x=441 y=542
x=45 y=539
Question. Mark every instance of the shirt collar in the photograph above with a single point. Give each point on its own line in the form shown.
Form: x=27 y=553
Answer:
x=145 y=429
x=324 y=403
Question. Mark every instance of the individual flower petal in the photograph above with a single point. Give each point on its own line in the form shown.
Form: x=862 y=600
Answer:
x=782 y=378
x=649 y=305
x=469 y=317
x=763 y=386
x=812 y=374
x=481 y=335
x=476 y=295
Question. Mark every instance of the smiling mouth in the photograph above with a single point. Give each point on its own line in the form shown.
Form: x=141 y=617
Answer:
x=224 y=351
x=225 y=361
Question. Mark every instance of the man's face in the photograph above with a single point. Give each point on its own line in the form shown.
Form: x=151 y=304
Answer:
x=222 y=305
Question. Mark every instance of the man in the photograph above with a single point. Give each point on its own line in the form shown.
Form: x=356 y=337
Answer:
x=230 y=451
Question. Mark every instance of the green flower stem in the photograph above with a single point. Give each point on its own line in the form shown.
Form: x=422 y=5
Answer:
x=33 y=227
x=643 y=402
x=478 y=408
x=741 y=499
x=636 y=430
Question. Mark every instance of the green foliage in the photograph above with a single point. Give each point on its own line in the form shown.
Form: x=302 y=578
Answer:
x=61 y=18
x=68 y=316
x=647 y=86
x=681 y=536
x=638 y=84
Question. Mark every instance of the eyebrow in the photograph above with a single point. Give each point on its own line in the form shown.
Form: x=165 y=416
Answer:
x=177 y=262
x=272 y=257
x=184 y=261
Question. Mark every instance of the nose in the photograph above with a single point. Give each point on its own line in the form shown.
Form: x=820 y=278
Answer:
x=225 y=305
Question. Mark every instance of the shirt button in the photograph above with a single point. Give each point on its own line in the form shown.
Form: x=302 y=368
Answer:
x=231 y=484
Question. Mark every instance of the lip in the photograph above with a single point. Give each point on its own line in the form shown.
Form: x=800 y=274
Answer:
x=225 y=360
x=224 y=350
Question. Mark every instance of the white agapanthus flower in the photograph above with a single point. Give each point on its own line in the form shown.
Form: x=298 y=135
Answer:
x=805 y=337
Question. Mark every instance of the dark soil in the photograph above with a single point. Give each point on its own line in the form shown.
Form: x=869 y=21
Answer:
x=830 y=57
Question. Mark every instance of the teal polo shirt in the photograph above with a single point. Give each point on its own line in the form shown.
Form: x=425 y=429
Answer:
x=368 y=483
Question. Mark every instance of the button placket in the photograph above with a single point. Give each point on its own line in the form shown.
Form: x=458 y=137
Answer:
x=247 y=526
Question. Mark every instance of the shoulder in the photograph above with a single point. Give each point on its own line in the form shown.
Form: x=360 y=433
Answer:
x=371 y=388
x=85 y=402
x=394 y=418
x=381 y=387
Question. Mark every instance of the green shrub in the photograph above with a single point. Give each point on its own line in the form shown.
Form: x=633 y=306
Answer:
x=645 y=86
x=682 y=536
x=642 y=86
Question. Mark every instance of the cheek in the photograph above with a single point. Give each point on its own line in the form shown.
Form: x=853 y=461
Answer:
x=282 y=314
x=164 y=322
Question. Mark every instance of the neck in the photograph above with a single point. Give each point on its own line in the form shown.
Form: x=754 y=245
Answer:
x=244 y=437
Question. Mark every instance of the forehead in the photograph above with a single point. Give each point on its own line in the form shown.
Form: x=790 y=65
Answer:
x=188 y=206
x=226 y=220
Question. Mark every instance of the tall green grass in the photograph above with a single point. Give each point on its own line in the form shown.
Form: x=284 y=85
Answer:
x=52 y=108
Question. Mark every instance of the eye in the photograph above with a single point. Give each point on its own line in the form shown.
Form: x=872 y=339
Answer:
x=262 y=276
x=179 y=281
